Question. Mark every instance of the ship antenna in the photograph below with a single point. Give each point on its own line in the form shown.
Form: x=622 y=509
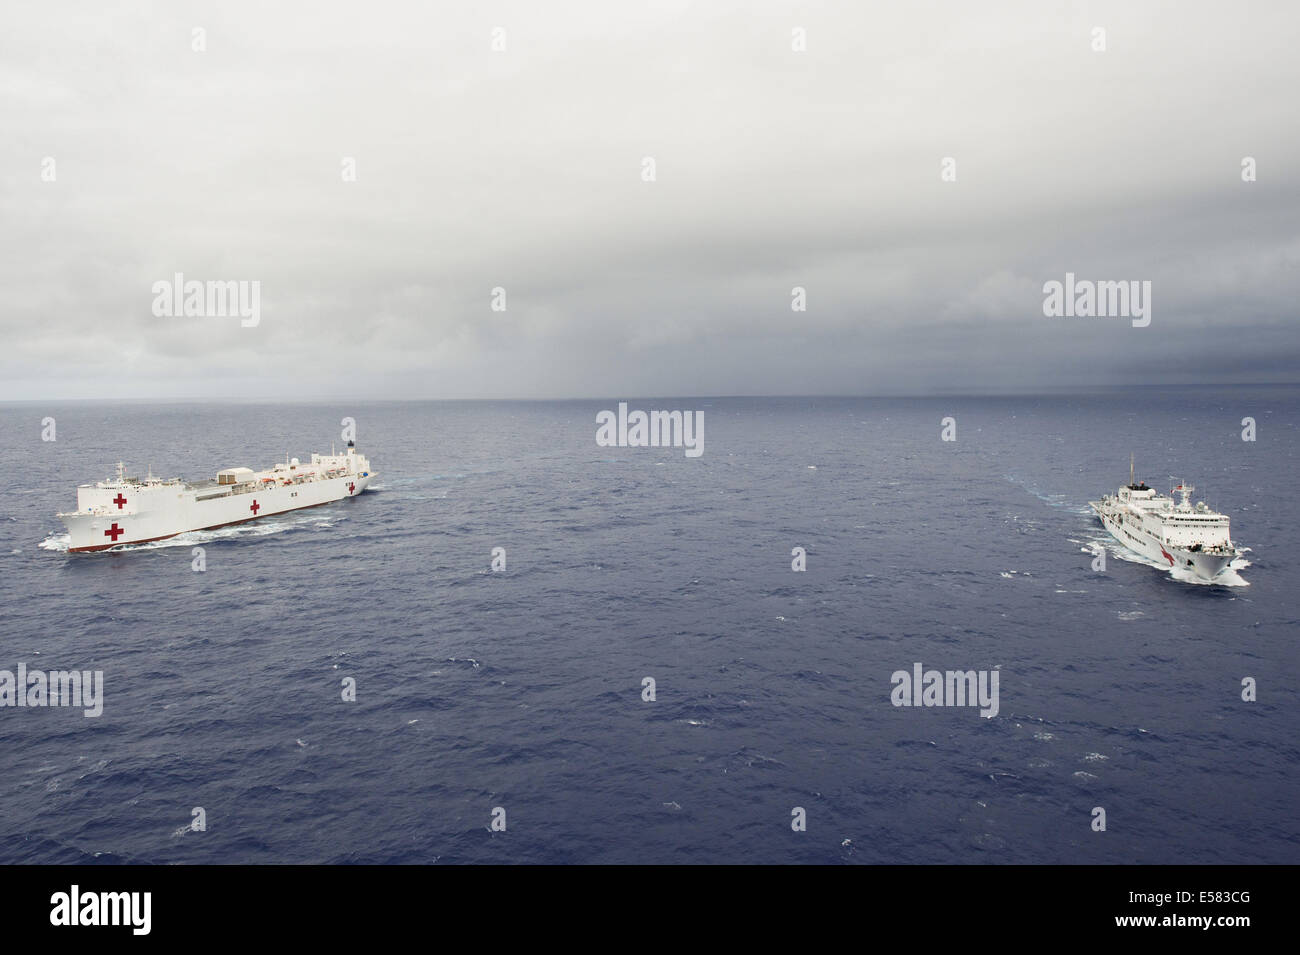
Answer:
x=1130 y=467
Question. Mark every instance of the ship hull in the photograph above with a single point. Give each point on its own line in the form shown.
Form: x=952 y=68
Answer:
x=1205 y=565
x=154 y=514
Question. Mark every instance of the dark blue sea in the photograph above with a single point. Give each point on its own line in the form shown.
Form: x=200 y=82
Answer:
x=522 y=689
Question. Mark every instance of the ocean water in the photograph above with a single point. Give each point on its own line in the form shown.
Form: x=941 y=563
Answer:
x=522 y=689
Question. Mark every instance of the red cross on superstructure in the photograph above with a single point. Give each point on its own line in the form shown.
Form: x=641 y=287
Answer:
x=254 y=507
x=119 y=500
x=114 y=532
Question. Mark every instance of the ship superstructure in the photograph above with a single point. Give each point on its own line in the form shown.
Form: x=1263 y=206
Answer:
x=126 y=510
x=1192 y=537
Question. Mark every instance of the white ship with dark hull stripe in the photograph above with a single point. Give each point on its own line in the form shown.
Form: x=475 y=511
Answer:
x=1195 y=539
x=126 y=510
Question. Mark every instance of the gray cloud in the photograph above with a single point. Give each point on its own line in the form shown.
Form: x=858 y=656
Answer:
x=521 y=169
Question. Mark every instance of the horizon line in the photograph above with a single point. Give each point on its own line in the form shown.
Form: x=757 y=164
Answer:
x=1062 y=391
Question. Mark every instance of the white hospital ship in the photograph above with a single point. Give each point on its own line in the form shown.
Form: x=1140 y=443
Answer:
x=1192 y=538
x=127 y=510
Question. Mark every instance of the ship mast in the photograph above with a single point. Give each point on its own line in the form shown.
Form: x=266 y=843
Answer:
x=1130 y=467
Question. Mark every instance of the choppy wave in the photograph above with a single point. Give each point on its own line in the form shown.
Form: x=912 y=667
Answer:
x=524 y=689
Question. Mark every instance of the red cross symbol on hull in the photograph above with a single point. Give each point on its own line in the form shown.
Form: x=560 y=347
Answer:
x=115 y=532
x=351 y=487
x=119 y=500
x=255 y=507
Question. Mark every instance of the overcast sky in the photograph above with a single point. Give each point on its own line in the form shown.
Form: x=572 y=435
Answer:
x=522 y=169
